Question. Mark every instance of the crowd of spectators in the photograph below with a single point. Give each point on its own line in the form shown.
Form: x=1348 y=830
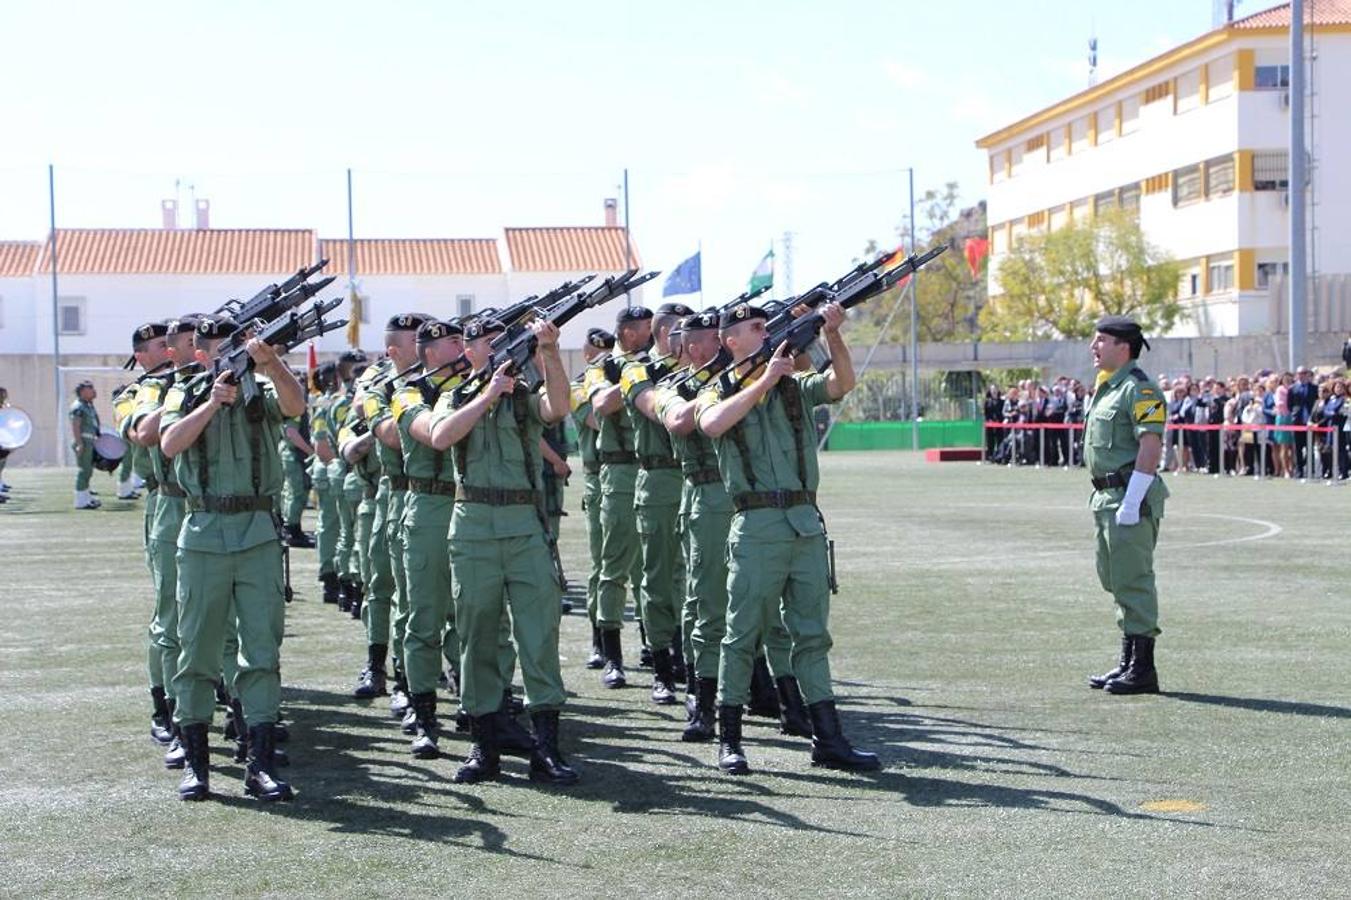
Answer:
x=1247 y=423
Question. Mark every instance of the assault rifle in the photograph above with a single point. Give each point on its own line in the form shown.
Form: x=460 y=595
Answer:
x=262 y=303
x=518 y=346
x=799 y=332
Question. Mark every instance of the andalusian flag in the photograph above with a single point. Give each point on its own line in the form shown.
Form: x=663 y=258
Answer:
x=763 y=276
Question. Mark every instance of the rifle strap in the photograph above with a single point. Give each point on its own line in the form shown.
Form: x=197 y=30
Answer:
x=790 y=394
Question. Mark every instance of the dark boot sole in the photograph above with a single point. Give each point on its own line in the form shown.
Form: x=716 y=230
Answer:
x=263 y=797
x=195 y=796
x=476 y=777
x=614 y=684
x=546 y=778
x=665 y=700
x=846 y=767
x=595 y=664
x=1115 y=691
x=176 y=763
x=361 y=694
x=790 y=731
x=696 y=737
x=740 y=769
x=426 y=752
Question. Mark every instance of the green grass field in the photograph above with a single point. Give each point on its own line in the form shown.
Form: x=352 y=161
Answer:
x=968 y=616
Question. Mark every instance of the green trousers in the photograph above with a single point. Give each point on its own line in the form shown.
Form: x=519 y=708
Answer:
x=591 y=506
x=1126 y=569
x=346 y=560
x=769 y=579
x=514 y=575
x=398 y=618
x=124 y=471
x=326 y=532
x=84 y=462
x=660 y=548
x=361 y=538
x=210 y=587
x=292 y=499
x=426 y=562
x=620 y=556
x=707 y=539
x=162 y=645
x=379 y=570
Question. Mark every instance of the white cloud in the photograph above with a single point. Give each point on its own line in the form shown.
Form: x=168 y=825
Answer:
x=905 y=77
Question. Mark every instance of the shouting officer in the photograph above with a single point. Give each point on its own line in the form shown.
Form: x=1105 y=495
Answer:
x=1124 y=427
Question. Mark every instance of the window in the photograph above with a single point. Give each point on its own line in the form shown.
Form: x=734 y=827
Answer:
x=1186 y=185
x=1268 y=270
x=1079 y=134
x=1161 y=91
x=1189 y=90
x=70 y=315
x=1130 y=115
x=1221 y=277
x=464 y=303
x=1219 y=176
x=1220 y=79
x=1106 y=124
x=2 y=312
x=1271 y=77
x=1104 y=201
x=1130 y=196
x=1271 y=170
x=1189 y=284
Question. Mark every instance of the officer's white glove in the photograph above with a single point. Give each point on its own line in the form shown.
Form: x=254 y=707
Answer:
x=1129 y=511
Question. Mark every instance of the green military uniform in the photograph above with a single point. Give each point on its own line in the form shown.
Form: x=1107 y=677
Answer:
x=292 y=500
x=88 y=417
x=137 y=459
x=347 y=491
x=553 y=483
x=591 y=494
x=326 y=532
x=388 y=577
x=366 y=472
x=1126 y=405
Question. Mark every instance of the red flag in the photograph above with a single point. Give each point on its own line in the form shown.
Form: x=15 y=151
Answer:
x=977 y=248
x=311 y=364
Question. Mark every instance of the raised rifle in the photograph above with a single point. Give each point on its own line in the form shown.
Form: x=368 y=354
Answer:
x=256 y=306
x=521 y=311
x=799 y=332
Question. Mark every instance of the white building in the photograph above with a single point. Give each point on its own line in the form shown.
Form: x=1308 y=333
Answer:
x=1195 y=140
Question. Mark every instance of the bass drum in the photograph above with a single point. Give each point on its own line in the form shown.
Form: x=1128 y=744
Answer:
x=108 y=451
x=15 y=428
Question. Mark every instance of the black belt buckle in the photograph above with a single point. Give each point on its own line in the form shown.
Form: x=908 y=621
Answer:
x=778 y=499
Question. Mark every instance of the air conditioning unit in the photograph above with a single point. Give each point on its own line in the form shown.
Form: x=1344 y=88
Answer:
x=1285 y=99
x=1285 y=199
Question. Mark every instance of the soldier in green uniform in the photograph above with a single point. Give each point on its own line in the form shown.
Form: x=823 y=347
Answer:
x=777 y=556
x=347 y=488
x=325 y=436
x=1123 y=441
x=84 y=430
x=357 y=444
x=621 y=560
x=499 y=550
x=295 y=448
x=223 y=444
x=657 y=494
x=150 y=352
x=598 y=343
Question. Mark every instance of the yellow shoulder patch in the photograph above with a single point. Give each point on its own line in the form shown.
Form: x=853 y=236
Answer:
x=1150 y=412
x=173 y=400
x=404 y=400
x=578 y=397
x=371 y=406
x=150 y=392
x=632 y=376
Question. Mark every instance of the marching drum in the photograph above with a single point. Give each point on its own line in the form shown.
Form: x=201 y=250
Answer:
x=15 y=428
x=108 y=451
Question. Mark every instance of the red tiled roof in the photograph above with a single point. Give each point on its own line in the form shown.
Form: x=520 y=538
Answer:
x=436 y=256
x=18 y=258
x=598 y=249
x=181 y=252
x=1317 y=12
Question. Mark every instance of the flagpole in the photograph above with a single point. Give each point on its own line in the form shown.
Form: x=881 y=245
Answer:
x=914 y=326
x=628 y=243
x=352 y=265
x=700 y=253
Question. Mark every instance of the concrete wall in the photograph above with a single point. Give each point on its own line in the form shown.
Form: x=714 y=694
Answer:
x=18 y=316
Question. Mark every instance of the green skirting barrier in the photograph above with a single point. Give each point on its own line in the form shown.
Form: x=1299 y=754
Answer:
x=897 y=435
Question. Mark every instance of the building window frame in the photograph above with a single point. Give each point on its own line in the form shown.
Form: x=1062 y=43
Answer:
x=1188 y=185
x=464 y=305
x=1267 y=270
x=1271 y=170
x=1271 y=78
x=1220 y=277
x=1220 y=175
x=81 y=323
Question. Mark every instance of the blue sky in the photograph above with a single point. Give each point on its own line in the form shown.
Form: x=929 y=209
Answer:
x=737 y=121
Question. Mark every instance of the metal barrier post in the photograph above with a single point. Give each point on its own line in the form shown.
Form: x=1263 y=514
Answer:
x=1336 y=456
x=1309 y=455
x=1041 y=447
x=1261 y=454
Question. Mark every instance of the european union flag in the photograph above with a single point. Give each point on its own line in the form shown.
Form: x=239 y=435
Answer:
x=686 y=278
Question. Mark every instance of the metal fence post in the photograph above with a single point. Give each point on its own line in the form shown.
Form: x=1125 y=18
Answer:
x=1041 y=446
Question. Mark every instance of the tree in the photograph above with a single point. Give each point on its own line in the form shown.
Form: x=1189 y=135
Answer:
x=950 y=297
x=1057 y=284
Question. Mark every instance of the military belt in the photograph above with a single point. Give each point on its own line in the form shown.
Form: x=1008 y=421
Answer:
x=171 y=490
x=496 y=496
x=591 y=468
x=703 y=476
x=773 y=500
x=648 y=463
x=233 y=504
x=618 y=457
x=398 y=482
x=151 y=485
x=431 y=486
x=1117 y=479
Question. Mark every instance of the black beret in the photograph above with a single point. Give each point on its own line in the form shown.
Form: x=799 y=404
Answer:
x=149 y=331
x=435 y=330
x=214 y=327
x=704 y=321
x=326 y=370
x=633 y=314
x=407 y=322
x=183 y=323
x=353 y=356
x=600 y=339
x=742 y=312
x=482 y=327
x=83 y=384
x=1123 y=327
x=674 y=309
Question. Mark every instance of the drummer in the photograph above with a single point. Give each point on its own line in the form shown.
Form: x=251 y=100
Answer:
x=84 y=429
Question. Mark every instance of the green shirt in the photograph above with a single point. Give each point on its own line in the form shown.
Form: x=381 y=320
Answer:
x=377 y=407
x=614 y=435
x=771 y=443
x=696 y=454
x=419 y=460
x=1125 y=406
x=586 y=435
x=655 y=486
x=220 y=464
x=87 y=416
x=167 y=520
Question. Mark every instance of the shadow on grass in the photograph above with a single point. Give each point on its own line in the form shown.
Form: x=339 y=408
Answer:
x=1289 y=707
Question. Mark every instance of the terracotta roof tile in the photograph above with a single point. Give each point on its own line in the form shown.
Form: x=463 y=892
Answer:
x=182 y=252
x=18 y=258
x=436 y=256
x=590 y=249
x=1320 y=12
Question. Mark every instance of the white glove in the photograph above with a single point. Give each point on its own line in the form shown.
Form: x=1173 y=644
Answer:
x=1129 y=511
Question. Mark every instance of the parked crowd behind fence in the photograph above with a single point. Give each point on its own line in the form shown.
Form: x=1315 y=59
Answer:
x=1270 y=424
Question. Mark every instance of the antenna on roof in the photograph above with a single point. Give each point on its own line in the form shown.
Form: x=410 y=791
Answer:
x=1222 y=13
x=1092 y=60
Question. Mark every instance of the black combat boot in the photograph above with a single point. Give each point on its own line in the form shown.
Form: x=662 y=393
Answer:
x=700 y=727
x=295 y=537
x=793 y=717
x=515 y=705
x=358 y=597
x=408 y=725
x=427 y=730
x=236 y=729
x=730 y=758
x=484 y=761
x=597 y=658
x=260 y=780
x=330 y=582
x=678 y=669
x=645 y=652
x=177 y=754
x=371 y=682
x=512 y=738
x=547 y=763
x=830 y=748
x=222 y=695
x=161 y=731
x=663 y=679
x=764 y=698
x=1098 y=681
x=398 y=698
x=613 y=675
x=196 y=778
x=1140 y=676
x=345 y=585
